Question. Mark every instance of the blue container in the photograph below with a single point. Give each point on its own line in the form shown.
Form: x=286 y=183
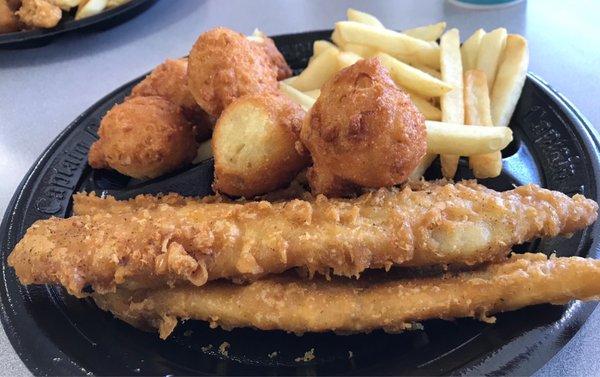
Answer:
x=484 y=4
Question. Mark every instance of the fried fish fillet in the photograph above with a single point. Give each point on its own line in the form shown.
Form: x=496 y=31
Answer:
x=148 y=242
x=343 y=305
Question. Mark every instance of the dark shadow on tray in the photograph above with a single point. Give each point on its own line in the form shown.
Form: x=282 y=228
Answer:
x=192 y=180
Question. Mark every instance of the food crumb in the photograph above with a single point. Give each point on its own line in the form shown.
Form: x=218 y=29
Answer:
x=224 y=349
x=188 y=333
x=206 y=348
x=273 y=354
x=350 y=354
x=308 y=356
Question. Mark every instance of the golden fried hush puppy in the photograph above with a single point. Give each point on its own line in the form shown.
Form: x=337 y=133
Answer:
x=254 y=145
x=9 y=22
x=39 y=13
x=169 y=80
x=283 y=69
x=224 y=65
x=362 y=132
x=144 y=137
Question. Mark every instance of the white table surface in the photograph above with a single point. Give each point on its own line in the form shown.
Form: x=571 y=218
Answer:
x=42 y=90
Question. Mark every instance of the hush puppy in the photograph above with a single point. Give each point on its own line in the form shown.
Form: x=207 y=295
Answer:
x=224 y=65
x=362 y=132
x=254 y=145
x=9 y=21
x=169 y=80
x=283 y=69
x=143 y=137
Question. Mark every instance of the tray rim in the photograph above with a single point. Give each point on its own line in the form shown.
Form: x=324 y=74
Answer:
x=7 y=223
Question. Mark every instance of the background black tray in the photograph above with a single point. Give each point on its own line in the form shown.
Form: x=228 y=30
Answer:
x=54 y=333
x=101 y=21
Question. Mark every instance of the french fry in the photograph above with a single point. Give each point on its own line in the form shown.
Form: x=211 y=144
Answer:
x=320 y=69
x=289 y=80
x=297 y=96
x=470 y=50
x=336 y=38
x=422 y=167
x=346 y=59
x=254 y=38
x=66 y=5
x=451 y=103
x=90 y=8
x=429 y=111
x=509 y=79
x=255 y=33
x=320 y=46
x=204 y=152
x=313 y=93
x=430 y=71
x=401 y=46
x=477 y=98
x=115 y=3
x=428 y=32
x=477 y=111
x=364 y=51
x=447 y=138
x=412 y=78
x=490 y=51
x=363 y=18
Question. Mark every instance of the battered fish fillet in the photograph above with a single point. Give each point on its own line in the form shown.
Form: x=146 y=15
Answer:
x=153 y=243
x=342 y=305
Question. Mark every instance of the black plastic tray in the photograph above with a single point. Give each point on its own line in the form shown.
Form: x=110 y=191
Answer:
x=101 y=21
x=56 y=334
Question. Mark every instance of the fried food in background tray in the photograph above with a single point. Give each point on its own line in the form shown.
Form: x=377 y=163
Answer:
x=39 y=14
x=18 y=15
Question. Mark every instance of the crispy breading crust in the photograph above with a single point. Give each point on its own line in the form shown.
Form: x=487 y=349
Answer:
x=143 y=137
x=362 y=131
x=283 y=69
x=169 y=80
x=296 y=305
x=224 y=65
x=158 y=243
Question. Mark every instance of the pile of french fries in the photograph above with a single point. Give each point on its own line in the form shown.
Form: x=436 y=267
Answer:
x=88 y=8
x=476 y=84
